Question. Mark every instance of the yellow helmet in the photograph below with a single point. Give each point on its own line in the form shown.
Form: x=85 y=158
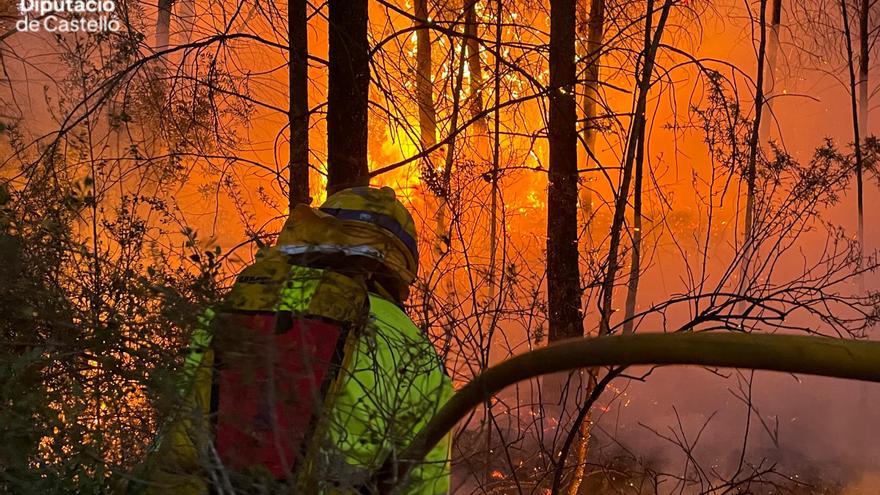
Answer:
x=366 y=218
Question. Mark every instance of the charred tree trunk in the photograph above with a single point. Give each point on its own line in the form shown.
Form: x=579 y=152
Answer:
x=563 y=274
x=565 y=319
x=298 y=67
x=347 y=95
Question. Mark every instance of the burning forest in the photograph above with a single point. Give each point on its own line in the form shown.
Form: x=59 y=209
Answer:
x=581 y=247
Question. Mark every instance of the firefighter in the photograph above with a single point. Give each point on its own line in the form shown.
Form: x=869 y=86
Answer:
x=309 y=375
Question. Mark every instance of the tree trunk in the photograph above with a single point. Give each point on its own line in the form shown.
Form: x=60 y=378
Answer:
x=636 y=130
x=855 y=120
x=424 y=84
x=428 y=116
x=187 y=19
x=496 y=157
x=444 y=190
x=590 y=98
x=475 y=67
x=298 y=66
x=636 y=259
x=770 y=69
x=639 y=137
x=563 y=274
x=754 y=146
x=864 y=108
x=491 y=307
x=764 y=123
x=634 y=158
x=347 y=95
x=864 y=103
x=595 y=32
x=163 y=24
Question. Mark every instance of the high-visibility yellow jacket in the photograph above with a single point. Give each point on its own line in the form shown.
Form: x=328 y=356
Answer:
x=389 y=384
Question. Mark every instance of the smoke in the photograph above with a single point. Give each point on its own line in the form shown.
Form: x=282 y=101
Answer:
x=868 y=484
x=818 y=431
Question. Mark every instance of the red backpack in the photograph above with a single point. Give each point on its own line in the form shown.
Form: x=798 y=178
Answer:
x=279 y=346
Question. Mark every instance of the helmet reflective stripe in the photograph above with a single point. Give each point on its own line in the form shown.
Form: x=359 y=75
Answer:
x=386 y=222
